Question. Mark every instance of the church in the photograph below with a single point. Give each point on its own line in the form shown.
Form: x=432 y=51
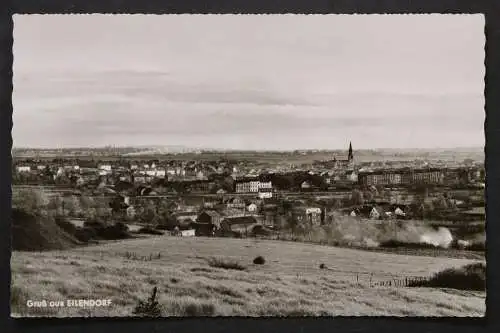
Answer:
x=347 y=163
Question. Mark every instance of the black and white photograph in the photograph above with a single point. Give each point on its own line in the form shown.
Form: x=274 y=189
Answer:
x=248 y=165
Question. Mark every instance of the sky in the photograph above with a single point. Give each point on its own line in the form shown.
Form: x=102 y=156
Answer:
x=249 y=81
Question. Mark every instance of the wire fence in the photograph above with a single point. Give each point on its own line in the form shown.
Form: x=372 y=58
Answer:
x=381 y=279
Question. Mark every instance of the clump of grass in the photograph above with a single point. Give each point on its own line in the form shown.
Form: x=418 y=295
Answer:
x=135 y=256
x=191 y=307
x=259 y=260
x=225 y=264
x=149 y=308
x=469 y=277
x=322 y=266
x=17 y=298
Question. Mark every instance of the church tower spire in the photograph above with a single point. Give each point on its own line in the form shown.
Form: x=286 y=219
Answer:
x=350 y=157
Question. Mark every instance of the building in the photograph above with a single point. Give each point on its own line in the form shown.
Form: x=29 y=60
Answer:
x=310 y=215
x=402 y=177
x=254 y=186
x=242 y=187
x=344 y=163
x=201 y=186
x=185 y=218
x=130 y=212
x=239 y=223
x=265 y=190
x=252 y=208
x=265 y=193
x=429 y=176
x=305 y=185
x=383 y=177
x=211 y=217
x=23 y=169
x=313 y=215
x=246 y=184
x=374 y=214
x=235 y=202
x=187 y=233
x=105 y=167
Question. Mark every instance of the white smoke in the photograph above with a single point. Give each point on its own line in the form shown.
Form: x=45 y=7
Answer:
x=462 y=244
x=361 y=232
x=440 y=238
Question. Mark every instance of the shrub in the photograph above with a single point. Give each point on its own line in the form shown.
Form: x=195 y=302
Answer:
x=477 y=246
x=469 y=277
x=65 y=225
x=225 y=264
x=149 y=308
x=322 y=266
x=121 y=226
x=95 y=223
x=412 y=245
x=199 y=309
x=85 y=234
x=101 y=230
x=191 y=307
x=149 y=231
x=259 y=260
x=163 y=227
x=33 y=232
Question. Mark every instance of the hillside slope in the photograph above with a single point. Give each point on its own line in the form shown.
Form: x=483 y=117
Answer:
x=289 y=283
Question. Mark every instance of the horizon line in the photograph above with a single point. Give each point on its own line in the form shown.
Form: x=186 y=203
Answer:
x=146 y=147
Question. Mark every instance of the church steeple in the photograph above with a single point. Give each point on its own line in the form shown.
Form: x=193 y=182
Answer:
x=350 y=156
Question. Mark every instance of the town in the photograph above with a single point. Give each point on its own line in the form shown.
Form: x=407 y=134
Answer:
x=248 y=165
x=232 y=197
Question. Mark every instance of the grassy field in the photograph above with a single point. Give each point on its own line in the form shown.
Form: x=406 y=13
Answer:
x=290 y=283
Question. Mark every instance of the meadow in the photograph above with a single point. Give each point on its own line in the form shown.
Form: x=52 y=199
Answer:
x=297 y=279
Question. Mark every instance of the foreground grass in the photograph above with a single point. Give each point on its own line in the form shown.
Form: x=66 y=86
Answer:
x=290 y=283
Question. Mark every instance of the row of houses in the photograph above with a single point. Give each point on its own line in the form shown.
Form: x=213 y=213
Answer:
x=435 y=176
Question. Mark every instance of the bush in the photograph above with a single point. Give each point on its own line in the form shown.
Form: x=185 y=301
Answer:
x=102 y=230
x=149 y=231
x=33 y=232
x=477 y=246
x=163 y=227
x=225 y=264
x=259 y=260
x=395 y=244
x=149 y=308
x=260 y=230
x=121 y=226
x=65 y=225
x=85 y=234
x=95 y=223
x=322 y=266
x=469 y=277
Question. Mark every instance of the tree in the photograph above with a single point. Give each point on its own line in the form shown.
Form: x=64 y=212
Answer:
x=292 y=223
x=149 y=214
x=72 y=205
x=357 y=198
x=55 y=205
x=368 y=196
x=34 y=201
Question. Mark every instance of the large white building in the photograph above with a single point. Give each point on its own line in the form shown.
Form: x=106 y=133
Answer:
x=23 y=168
x=105 y=167
x=254 y=186
x=265 y=190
